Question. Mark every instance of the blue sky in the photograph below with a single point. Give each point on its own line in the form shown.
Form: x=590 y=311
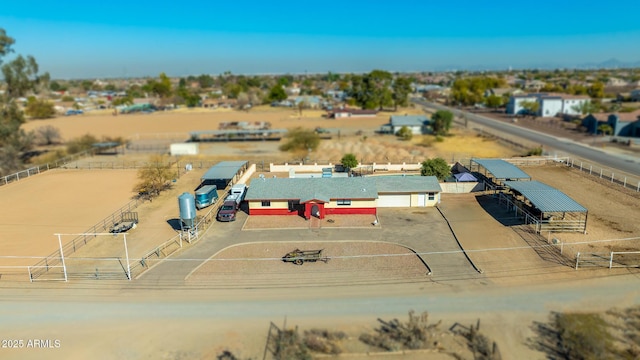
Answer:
x=138 y=38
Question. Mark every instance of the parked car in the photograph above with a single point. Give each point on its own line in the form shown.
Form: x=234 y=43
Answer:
x=74 y=112
x=227 y=211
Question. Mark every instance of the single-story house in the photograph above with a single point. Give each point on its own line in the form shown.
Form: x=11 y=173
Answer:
x=549 y=104
x=316 y=197
x=418 y=124
x=351 y=113
x=339 y=195
x=622 y=124
x=408 y=191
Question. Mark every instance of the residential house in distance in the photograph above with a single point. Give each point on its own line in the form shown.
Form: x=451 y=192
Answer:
x=418 y=124
x=351 y=113
x=502 y=91
x=622 y=124
x=549 y=104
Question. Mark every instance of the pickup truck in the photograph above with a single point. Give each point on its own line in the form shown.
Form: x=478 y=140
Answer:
x=227 y=211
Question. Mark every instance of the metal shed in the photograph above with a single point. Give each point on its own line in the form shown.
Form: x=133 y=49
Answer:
x=549 y=209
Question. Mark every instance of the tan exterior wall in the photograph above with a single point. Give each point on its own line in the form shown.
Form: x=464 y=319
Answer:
x=257 y=204
x=434 y=202
x=354 y=204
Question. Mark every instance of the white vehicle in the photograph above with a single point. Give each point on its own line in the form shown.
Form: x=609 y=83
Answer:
x=239 y=189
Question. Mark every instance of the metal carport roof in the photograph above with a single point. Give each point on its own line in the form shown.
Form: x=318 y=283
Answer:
x=544 y=197
x=224 y=170
x=501 y=169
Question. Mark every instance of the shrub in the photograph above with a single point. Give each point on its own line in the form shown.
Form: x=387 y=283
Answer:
x=405 y=133
x=583 y=336
x=535 y=151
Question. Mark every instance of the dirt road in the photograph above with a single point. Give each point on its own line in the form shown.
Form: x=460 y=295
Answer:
x=139 y=323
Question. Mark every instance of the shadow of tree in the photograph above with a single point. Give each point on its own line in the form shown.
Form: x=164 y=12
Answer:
x=546 y=339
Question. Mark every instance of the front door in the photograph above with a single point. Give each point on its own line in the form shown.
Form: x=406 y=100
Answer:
x=315 y=211
x=422 y=200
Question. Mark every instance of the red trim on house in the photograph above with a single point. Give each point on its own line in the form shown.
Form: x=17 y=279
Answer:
x=272 y=212
x=350 y=210
x=325 y=211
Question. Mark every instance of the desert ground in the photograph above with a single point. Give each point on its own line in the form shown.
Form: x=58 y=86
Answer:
x=198 y=318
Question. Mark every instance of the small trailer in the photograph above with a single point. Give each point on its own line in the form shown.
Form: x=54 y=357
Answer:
x=128 y=221
x=299 y=257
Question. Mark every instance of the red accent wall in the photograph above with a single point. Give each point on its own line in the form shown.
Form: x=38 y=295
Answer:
x=323 y=210
x=350 y=210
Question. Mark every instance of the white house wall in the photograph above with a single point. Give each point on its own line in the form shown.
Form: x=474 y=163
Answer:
x=550 y=107
x=570 y=103
x=394 y=200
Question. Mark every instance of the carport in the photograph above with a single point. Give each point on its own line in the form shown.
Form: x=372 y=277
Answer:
x=223 y=173
x=495 y=172
x=548 y=208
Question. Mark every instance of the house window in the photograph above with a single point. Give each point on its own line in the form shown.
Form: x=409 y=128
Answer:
x=266 y=203
x=344 y=202
x=432 y=196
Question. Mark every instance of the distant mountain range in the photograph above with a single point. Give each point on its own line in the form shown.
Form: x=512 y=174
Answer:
x=608 y=64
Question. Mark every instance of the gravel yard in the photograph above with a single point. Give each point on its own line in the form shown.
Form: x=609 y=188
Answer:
x=349 y=263
x=297 y=222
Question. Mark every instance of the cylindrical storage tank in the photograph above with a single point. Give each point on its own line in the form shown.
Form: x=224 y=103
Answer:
x=187 y=205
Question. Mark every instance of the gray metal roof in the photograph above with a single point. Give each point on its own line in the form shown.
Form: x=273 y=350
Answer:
x=407 y=184
x=501 y=169
x=409 y=120
x=224 y=170
x=545 y=197
x=196 y=134
x=312 y=188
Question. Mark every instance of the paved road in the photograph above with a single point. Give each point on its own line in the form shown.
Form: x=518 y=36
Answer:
x=625 y=163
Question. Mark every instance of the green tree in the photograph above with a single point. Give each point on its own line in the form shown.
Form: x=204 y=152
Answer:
x=299 y=139
x=123 y=100
x=155 y=177
x=277 y=93
x=205 y=81
x=39 y=108
x=586 y=107
x=349 y=161
x=55 y=86
x=189 y=98
x=372 y=91
x=494 y=101
x=605 y=129
x=405 y=133
x=596 y=90
x=530 y=107
x=401 y=90
x=437 y=167
x=20 y=77
x=441 y=122
x=161 y=88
